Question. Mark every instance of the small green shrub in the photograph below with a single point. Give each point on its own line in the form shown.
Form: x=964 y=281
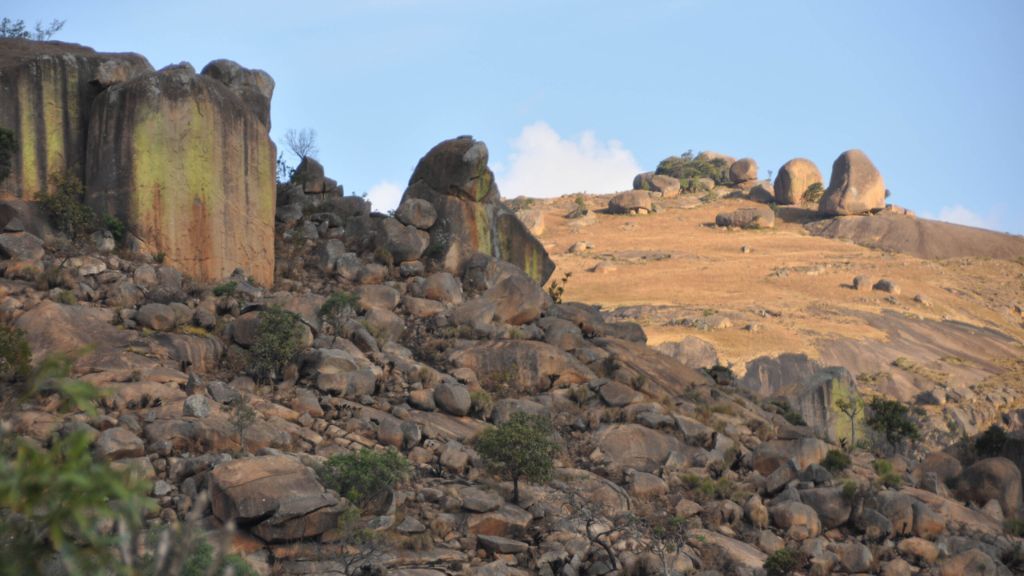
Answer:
x=886 y=475
x=836 y=461
x=362 y=476
x=277 y=343
x=850 y=491
x=65 y=206
x=524 y=447
x=1014 y=527
x=990 y=443
x=814 y=192
x=15 y=354
x=782 y=562
x=482 y=402
x=116 y=227
x=201 y=563
x=159 y=257
x=339 y=308
x=703 y=489
x=226 y=289
x=8 y=148
x=893 y=420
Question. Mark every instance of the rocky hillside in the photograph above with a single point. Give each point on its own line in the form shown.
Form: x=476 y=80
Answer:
x=416 y=334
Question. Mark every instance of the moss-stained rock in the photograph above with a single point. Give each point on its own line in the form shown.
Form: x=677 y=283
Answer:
x=471 y=218
x=188 y=165
x=46 y=92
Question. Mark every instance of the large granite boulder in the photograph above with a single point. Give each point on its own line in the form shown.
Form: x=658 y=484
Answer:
x=278 y=497
x=521 y=367
x=635 y=446
x=46 y=92
x=188 y=165
x=667 y=185
x=793 y=180
x=454 y=177
x=856 y=186
x=992 y=479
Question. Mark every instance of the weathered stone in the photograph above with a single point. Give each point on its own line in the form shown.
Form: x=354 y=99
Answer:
x=453 y=398
x=667 y=186
x=992 y=479
x=478 y=500
x=920 y=550
x=417 y=212
x=501 y=545
x=855 y=557
x=21 y=246
x=805 y=451
x=277 y=493
x=743 y=170
x=856 y=186
x=197 y=406
x=517 y=299
x=189 y=167
x=748 y=218
x=158 y=317
x=832 y=508
x=886 y=285
x=800 y=521
x=378 y=296
x=521 y=367
x=402 y=241
x=630 y=202
x=972 y=562
x=117 y=443
x=254 y=87
x=793 y=180
x=635 y=446
x=455 y=179
x=46 y=93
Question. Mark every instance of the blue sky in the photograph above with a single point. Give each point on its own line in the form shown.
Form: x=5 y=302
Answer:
x=575 y=95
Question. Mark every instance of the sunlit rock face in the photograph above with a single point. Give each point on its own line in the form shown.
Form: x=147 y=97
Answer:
x=46 y=92
x=455 y=179
x=186 y=161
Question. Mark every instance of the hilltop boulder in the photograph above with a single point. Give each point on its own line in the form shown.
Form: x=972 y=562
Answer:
x=189 y=166
x=46 y=92
x=631 y=202
x=856 y=186
x=666 y=185
x=793 y=180
x=743 y=170
x=455 y=179
x=748 y=218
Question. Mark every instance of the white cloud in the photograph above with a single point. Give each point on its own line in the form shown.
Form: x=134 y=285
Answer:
x=542 y=164
x=959 y=214
x=385 y=195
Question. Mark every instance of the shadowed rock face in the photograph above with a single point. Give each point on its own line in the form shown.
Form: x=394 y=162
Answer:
x=188 y=165
x=46 y=92
x=454 y=177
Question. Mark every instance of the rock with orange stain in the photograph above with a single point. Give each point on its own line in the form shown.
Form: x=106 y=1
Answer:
x=186 y=161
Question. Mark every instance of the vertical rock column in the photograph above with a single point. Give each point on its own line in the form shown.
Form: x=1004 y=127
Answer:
x=46 y=90
x=187 y=163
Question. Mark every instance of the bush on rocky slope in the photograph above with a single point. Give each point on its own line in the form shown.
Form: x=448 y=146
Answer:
x=15 y=355
x=362 y=476
x=278 y=341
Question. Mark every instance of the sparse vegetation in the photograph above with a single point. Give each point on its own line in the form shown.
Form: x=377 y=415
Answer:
x=8 y=148
x=814 y=192
x=524 y=447
x=836 y=461
x=703 y=489
x=302 y=143
x=339 y=308
x=65 y=206
x=783 y=562
x=364 y=475
x=557 y=287
x=278 y=341
x=202 y=562
x=851 y=407
x=482 y=403
x=18 y=29
x=886 y=475
x=116 y=227
x=225 y=289
x=242 y=418
x=990 y=443
x=15 y=354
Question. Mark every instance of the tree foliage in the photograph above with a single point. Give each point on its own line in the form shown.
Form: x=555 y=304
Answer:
x=688 y=168
x=339 y=308
x=18 y=29
x=302 y=143
x=58 y=505
x=8 y=147
x=362 y=476
x=522 y=447
x=15 y=354
x=65 y=206
x=893 y=420
x=990 y=443
x=277 y=343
